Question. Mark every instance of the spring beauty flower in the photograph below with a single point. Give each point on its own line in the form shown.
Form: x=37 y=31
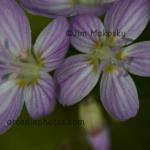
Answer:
x=53 y=8
x=24 y=70
x=97 y=132
x=111 y=55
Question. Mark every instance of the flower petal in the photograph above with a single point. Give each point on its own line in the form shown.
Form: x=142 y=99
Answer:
x=76 y=78
x=4 y=63
x=15 y=33
x=119 y=95
x=50 y=8
x=11 y=104
x=83 y=29
x=53 y=43
x=100 y=141
x=53 y=8
x=98 y=8
x=40 y=97
x=129 y=17
x=138 y=56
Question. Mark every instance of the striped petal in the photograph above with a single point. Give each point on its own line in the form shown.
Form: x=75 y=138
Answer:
x=83 y=28
x=119 y=95
x=11 y=104
x=4 y=63
x=53 y=8
x=53 y=43
x=100 y=141
x=6 y=67
x=15 y=33
x=50 y=8
x=40 y=97
x=75 y=78
x=138 y=56
x=97 y=9
x=129 y=17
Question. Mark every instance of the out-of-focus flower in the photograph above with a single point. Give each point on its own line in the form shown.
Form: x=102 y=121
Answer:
x=108 y=53
x=97 y=132
x=24 y=71
x=53 y=8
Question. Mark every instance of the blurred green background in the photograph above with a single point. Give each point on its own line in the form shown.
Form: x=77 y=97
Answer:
x=131 y=135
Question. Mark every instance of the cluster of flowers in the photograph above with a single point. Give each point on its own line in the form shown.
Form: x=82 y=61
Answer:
x=25 y=69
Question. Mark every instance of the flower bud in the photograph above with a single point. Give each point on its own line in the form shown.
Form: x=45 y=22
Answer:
x=96 y=131
x=90 y=112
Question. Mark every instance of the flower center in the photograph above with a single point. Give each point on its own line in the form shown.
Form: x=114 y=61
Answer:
x=102 y=52
x=26 y=69
x=108 y=53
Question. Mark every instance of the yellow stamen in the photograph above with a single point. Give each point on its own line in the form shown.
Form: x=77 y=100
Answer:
x=110 y=69
x=98 y=45
x=39 y=60
x=120 y=55
x=23 y=83
x=94 y=62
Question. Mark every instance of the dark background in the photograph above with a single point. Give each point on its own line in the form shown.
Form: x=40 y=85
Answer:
x=131 y=135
